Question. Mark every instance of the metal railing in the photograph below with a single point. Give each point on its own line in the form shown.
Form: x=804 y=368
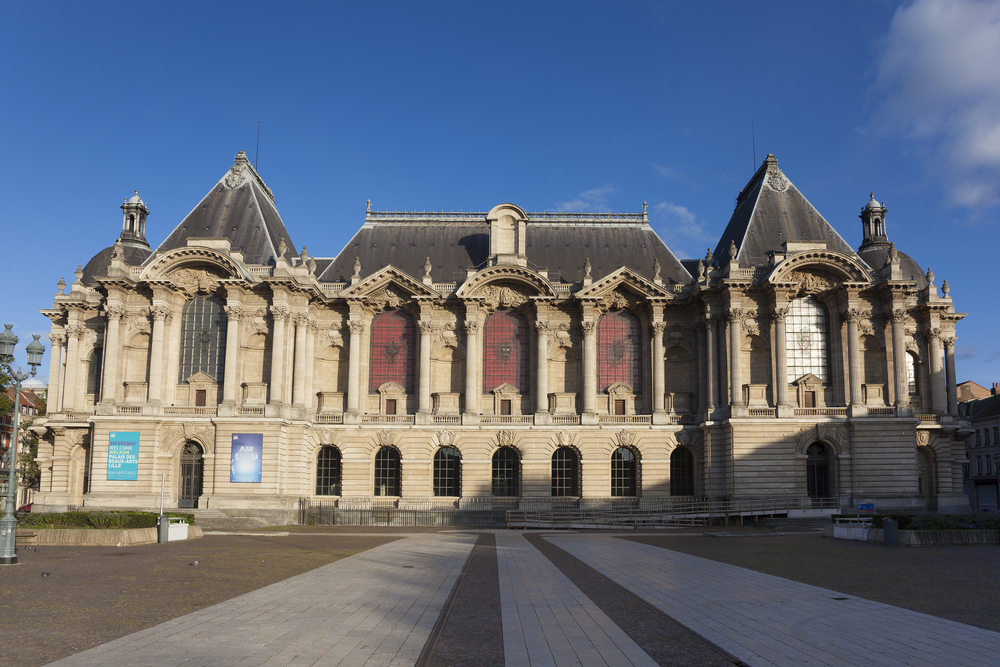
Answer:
x=670 y=514
x=328 y=513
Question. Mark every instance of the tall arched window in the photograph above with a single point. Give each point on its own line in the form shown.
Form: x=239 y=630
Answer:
x=393 y=350
x=505 y=351
x=817 y=471
x=328 y=472
x=387 y=472
x=203 y=338
x=913 y=388
x=619 y=350
x=94 y=373
x=506 y=472
x=623 y=472
x=806 y=339
x=681 y=472
x=564 y=473
x=447 y=472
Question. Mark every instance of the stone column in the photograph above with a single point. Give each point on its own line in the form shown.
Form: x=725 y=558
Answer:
x=279 y=314
x=659 y=381
x=424 y=396
x=589 y=368
x=780 y=357
x=901 y=384
x=309 y=396
x=939 y=399
x=173 y=345
x=542 y=376
x=56 y=357
x=301 y=321
x=229 y=381
x=711 y=325
x=949 y=358
x=72 y=365
x=471 y=366
x=735 y=317
x=109 y=383
x=853 y=357
x=355 y=329
x=159 y=314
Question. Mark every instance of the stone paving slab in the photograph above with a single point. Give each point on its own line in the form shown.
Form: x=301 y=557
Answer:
x=549 y=621
x=375 y=608
x=766 y=620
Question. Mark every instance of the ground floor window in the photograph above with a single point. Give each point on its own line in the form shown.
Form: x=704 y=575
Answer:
x=328 y=472
x=817 y=471
x=564 y=473
x=447 y=472
x=623 y=472
x=387 y=477
x=682 y=472
x=506 y=472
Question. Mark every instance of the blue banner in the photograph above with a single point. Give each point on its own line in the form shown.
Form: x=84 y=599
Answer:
x=245 y=460
x=123 y=456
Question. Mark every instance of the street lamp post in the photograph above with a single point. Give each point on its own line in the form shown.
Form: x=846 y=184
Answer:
x=8 y=524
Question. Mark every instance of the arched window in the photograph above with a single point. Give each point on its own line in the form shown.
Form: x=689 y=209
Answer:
x=681 y=472
x=913 y=388
x=806 y=339
x=94 y=373
x=203 y=338
x=393 y=350
x=506 y=472
x=623 y=472
x=192 y=470
x=619 y=350
x=447 y=472
x=387 y=469
x=564 y=473
x=505 y=351
x=328 y=472
x=817 y=471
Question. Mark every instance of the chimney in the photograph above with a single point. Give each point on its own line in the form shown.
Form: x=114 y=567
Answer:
x=993 y=391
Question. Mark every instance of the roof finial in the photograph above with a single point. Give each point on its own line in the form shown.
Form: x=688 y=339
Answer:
x=586 y=268
x=369 y=205
x=644 y=208
x=357 y=267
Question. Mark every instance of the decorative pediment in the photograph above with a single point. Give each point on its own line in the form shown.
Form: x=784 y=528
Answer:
x=819 y=270
x=186 y=266
x=620 y=389
x=388 y=287
x=807 y=380
x=506 y=390
x=201 y=378
x=517 y=278
x=391 y=388
x=623 y=284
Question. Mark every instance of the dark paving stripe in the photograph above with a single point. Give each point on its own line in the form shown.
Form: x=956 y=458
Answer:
x=667 y=642
x=470 y=630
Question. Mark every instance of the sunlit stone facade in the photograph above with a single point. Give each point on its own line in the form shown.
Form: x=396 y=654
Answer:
x=527 y=359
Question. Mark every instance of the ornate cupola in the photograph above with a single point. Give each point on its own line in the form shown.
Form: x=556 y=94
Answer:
x=134 y=222
x=507 y=235
x=873 y=223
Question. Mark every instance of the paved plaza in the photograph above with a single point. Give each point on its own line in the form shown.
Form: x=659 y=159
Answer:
x=381 y=607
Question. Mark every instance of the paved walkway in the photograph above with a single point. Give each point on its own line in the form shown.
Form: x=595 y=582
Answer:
x=376 y=608
x=767 y=620
x=547 y=620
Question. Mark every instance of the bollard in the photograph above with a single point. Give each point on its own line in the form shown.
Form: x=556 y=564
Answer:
x=890 y=533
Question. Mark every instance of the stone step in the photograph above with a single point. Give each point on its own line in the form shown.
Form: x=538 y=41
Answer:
x=811 y=523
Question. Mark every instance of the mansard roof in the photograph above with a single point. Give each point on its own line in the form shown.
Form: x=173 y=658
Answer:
x=770 y=210
x=240 y=208
x=558 y=242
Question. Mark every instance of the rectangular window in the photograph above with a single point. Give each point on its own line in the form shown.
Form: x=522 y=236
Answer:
x=505 y=407
x=199 y=398
x=390 y=406
x=965 y=470
x=996 y=436
x=619 y=407
x=809 y=399
x=978 y=440
x=989 y=465
x=979 y=465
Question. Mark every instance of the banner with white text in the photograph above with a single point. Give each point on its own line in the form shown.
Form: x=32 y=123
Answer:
x=123 y=456
x=245 y=460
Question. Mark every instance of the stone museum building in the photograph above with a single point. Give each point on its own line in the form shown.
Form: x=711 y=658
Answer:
x=500 y=358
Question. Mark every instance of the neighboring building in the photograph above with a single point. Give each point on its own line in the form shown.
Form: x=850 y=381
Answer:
x=981 y=473
x=969 y=390
x=506 y=357
x=29 y=406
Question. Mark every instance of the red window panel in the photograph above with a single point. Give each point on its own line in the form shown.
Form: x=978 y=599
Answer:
x=393 y=350
x=619 y=350
x=505 y=351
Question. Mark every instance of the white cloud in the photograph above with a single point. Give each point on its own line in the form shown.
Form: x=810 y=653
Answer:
x=680 y=229
x=939 y=83
x=591 y=200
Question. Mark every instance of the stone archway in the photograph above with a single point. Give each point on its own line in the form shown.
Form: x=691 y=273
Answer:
x=192 y=469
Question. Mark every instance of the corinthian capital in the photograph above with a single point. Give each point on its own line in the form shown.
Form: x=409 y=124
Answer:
x=280 y=313
x=471 y=327
x=159 y=313
x=949 y=343
x=357 y=328
x=897 y=315
x=734 y=314
x=589 y=327
x=58 y=340
x=233 y=312
x=426 y=327
x=659 y=328
x=115 y=312
x=779 y=314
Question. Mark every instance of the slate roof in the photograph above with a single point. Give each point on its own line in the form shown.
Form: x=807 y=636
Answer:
x=101 y=262
x=558 y=242
x=984 y=408
x=770 y=210
x=240 y=208
x=875 y=253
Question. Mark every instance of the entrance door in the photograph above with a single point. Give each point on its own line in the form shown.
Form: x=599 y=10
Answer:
x=192 y=467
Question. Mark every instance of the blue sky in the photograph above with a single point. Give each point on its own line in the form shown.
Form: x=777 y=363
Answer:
x=550 y=105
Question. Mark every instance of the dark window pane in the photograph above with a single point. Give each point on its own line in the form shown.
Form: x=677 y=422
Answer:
x=447 y=472
x=328 y=472
x=203 y=338
x=506 y=472
x=623 y=472
x=682 y=472
x=564 y=473
x=387 y=476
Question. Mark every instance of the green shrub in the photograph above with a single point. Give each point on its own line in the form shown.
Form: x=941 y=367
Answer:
x=966 y=521
x=98 y=519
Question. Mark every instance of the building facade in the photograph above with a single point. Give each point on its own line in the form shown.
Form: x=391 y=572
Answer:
x=523 y=358
x=982 y=472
